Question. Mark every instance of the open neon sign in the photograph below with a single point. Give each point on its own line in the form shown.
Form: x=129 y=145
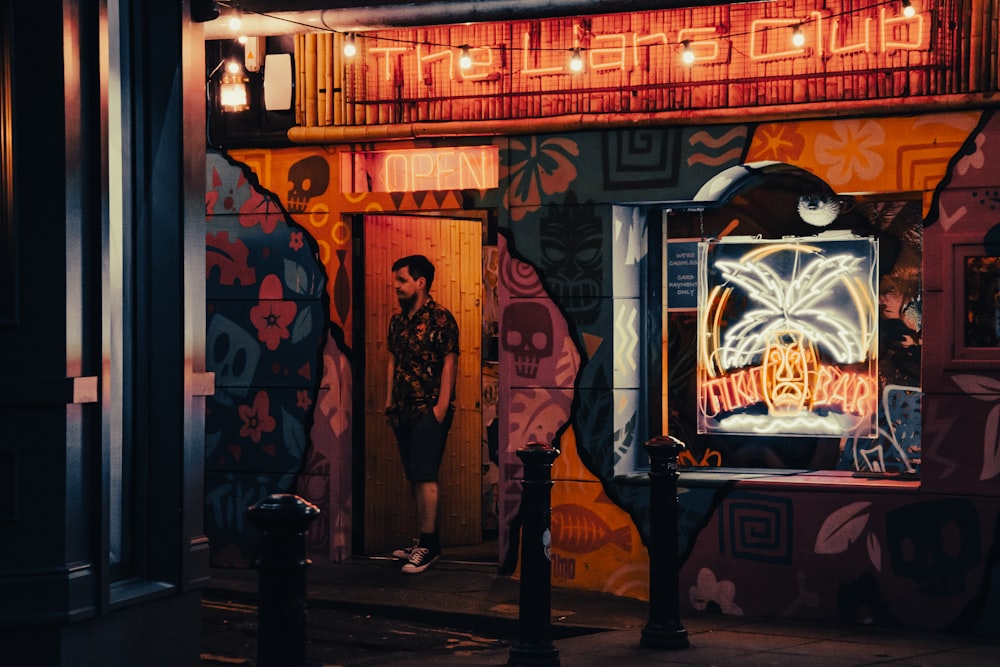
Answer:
x=415 y=170
x=787 y=338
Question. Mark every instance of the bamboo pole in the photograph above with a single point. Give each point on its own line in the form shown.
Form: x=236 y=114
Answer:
x=300 y=76
x=337 y=77
x=994 y=24
x=321 y=89
x=579 y=122
x=330 y=65
x=310 y=79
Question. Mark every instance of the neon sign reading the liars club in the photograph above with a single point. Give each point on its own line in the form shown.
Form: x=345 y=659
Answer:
x=787 y=337
x=540 y=47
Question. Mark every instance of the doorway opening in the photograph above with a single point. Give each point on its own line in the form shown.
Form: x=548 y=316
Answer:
x=458 y=244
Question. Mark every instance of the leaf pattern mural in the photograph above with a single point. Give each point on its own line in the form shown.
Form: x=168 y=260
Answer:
x=842 y=528
x=986 y=389
x=875 y=551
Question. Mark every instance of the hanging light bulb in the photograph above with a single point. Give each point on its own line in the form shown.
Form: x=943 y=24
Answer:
x=233 y=89
x=576 y=60
x=798 y=37
x=350 y=48
x=235 y=22
x=908 y=9
x=687 y=55
x=465 y=57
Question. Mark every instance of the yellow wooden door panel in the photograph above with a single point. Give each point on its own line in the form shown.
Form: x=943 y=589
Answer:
x=455 y=248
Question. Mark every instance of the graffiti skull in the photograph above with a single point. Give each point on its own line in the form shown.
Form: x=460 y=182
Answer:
x=935 y=544
x=527 y=334
x=310 y=178
x=233 y=356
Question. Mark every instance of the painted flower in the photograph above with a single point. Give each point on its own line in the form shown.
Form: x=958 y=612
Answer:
x=536 y=167
x=295 y=242
x=777 y=141
x=973 y=160
x=853 y=152
x=272 y=315
x=256 y=418
x=258 y=210
x=303 y=400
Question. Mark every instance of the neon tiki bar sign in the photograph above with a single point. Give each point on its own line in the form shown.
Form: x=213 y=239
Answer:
x=787 y=337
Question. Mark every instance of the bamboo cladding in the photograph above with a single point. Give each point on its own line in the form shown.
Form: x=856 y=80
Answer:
x=742 y=55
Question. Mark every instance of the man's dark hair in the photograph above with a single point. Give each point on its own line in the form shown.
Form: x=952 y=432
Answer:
x=418 y=266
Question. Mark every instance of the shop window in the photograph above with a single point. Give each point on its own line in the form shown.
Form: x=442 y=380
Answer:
x=981 y=301
x=861 y=414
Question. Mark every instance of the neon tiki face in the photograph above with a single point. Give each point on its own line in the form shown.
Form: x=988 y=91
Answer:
x=789 y=373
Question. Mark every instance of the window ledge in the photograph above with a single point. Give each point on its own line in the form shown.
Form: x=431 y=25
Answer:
x=131 y=591
x=758 y=478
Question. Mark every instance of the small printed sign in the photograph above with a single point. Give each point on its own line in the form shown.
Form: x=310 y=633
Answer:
x=682 y=275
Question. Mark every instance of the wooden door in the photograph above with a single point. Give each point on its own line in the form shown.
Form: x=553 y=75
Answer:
x=455 y=248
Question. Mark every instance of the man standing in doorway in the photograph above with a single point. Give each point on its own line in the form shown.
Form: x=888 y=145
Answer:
x=423 y=362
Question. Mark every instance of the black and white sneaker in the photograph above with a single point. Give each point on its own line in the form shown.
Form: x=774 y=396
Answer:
x=405 y=552
x=421 y=558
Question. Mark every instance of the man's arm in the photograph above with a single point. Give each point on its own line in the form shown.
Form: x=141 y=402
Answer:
x=448 y=373
x=388 y=391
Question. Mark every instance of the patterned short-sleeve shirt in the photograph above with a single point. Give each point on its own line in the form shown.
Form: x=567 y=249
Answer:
x=419 y=345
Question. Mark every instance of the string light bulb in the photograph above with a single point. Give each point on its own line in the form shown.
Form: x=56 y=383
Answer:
x=687 y=54
x=350 y=48
x=576 y=61
x=798 y=37
x=235 y=22
x=908 y=9
x=465 y=57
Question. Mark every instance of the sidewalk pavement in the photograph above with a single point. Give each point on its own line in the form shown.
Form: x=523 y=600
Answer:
x=597 y=630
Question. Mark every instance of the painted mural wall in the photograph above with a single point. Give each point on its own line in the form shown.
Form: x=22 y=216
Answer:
x=826 y=544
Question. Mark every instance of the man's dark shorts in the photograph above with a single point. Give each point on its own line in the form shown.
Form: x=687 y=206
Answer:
x=421 y=445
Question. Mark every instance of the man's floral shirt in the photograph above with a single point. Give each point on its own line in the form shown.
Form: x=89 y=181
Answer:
x=419 y=345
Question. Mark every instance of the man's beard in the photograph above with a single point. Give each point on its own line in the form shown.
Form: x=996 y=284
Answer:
x=407 y=302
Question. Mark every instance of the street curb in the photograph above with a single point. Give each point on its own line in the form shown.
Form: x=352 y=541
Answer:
x=495 y=625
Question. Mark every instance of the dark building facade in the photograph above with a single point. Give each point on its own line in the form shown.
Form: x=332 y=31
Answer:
x=102 y=322
x=840 y=462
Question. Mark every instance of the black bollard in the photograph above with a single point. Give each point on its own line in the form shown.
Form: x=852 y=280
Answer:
x=281 y=521
x=534 y=646
x=664 y=628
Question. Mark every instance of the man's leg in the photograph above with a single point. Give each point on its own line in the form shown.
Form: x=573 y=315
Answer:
x=425 y=490
x=426 y=494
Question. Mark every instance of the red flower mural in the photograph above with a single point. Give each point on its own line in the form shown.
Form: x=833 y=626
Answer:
x=302 y=399
x=256 y=418
x=272 y=315
x=258 y=209
x=538 y=166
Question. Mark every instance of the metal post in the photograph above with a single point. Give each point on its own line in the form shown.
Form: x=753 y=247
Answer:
x=534 y=647
x=281 y=521
x=664 y=628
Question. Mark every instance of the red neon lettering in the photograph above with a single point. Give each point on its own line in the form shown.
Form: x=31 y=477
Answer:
x=386 y=51
x=848 y=392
